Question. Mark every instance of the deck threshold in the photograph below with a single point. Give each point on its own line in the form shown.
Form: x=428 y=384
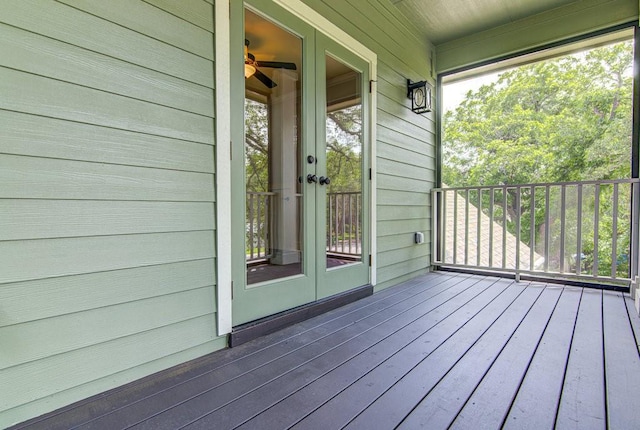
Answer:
x=255 y=329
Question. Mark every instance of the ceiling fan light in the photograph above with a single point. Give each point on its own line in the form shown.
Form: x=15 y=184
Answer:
x=249 y=70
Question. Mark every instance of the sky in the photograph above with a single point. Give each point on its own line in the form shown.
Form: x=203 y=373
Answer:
x=453 y=94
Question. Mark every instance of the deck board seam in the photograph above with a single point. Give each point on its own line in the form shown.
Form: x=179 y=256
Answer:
x=209 y=389
x=400 y=313
x=388 y=358
x=526 y=370
x=424 y=358
x=417 y=336
x=495 y=358
x=413 y=285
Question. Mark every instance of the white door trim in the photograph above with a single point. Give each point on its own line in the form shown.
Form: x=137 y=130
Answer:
x=223 y=164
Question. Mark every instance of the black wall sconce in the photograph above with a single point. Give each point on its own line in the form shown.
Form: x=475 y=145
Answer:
x=420 y=95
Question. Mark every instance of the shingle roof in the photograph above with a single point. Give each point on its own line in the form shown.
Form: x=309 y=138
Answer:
x=489 y=232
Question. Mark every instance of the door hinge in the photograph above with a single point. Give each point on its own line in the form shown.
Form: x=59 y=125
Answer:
x=369 y=260
x=371 y=85
x=370 y=174
x=231 y=290
x=230 y=150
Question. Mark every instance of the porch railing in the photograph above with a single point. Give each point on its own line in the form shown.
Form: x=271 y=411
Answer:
x=568 y=230
x=259 y=225
x=344 y=223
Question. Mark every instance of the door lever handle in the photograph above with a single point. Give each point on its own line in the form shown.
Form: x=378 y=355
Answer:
x=324 y=180
x=312 y=179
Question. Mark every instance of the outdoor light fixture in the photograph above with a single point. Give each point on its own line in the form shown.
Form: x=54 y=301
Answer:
x=420 y=95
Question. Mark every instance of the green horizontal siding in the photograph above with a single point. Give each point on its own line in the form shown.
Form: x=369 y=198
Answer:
x=75 y=27
x=25 y=134
x=107 y=203
x=23 y=50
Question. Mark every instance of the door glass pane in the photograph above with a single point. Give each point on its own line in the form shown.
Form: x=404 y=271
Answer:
x=272 y=150
x=344 y=164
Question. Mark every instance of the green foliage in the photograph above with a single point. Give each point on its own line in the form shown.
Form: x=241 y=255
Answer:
x=344 y=149
x=256 y=146
x=560 y=120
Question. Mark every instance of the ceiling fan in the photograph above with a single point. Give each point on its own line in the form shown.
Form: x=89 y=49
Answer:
x=251 y=67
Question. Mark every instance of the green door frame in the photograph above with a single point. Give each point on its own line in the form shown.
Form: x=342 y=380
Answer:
x=279 y=293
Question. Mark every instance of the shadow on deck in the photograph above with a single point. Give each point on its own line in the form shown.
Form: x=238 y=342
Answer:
x=445 y=349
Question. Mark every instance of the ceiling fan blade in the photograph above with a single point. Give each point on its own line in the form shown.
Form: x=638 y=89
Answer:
x=277 y=65
x=265 y=79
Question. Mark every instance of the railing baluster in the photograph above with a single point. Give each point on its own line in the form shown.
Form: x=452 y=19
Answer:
x=455 y=227
x=435 y=218
x=547 y=220
x=596 y=233
x=578 y=260
x=518 y=232
x=443 y=226
x=337 y=223
x=491 y=223
x=344 y=224
x=563 y=195
x=251 y=226
x=466 y=228
x=479 y=228
x=259 y=223
x=532 y=228
x=614 y=233
x=504 y=227
x=358 y=248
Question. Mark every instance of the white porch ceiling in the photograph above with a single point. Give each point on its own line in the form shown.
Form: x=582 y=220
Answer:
x=445 y=20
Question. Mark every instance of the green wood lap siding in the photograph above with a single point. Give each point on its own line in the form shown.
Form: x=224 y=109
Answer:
x=405 y=141
x=107 y=202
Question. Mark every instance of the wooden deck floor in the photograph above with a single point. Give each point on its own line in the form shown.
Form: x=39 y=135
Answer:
x=442 y=351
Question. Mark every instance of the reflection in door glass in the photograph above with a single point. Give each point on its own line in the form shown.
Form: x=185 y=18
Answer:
x=272 y=151
x=344 y=164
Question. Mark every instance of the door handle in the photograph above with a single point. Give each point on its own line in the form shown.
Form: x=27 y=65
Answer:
x=324 y=180
x=312 y=179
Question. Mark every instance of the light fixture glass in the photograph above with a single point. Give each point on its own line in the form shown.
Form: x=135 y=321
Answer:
x=249 y=70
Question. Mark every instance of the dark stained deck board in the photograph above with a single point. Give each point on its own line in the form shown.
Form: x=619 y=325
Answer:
x=304 y=401
x=536 y=402
x=622 y=368
x=258 y=353
x=342 y=409
x=492 y=398
x=442 y=350
x=180 y=404
x=485 y=374
x=582 y=402
x=318 y=355
x=635 y=322
x=261 y=349
x=393 y=338
x=397 y=402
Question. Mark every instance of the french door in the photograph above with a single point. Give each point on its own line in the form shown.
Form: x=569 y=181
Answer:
x=301 y=180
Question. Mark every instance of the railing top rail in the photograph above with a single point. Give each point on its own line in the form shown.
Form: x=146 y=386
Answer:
x=344 y=192
x=542 y=184
x=261 y=193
